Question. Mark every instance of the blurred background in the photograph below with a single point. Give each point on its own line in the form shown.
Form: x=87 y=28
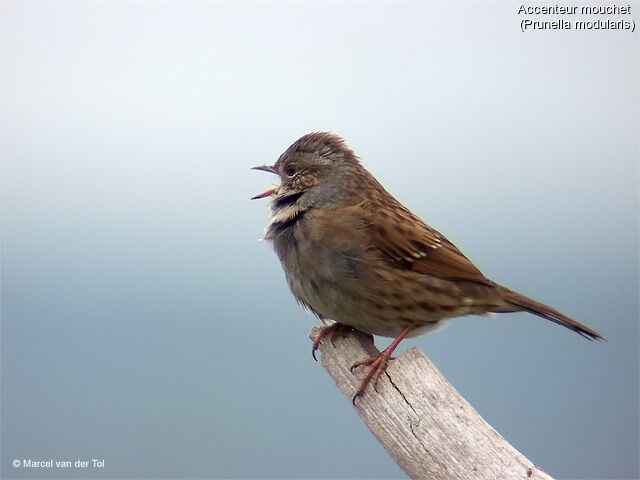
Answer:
x=143 y=323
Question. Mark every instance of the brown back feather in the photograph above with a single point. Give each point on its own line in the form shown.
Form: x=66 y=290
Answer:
x=409 y=242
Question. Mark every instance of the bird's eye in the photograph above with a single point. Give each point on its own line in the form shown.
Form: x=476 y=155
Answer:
x=290 y=170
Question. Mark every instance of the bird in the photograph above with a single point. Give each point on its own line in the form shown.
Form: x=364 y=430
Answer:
x=358 y=259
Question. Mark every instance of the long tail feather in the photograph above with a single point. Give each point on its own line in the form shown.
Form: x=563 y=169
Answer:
x=544 y=311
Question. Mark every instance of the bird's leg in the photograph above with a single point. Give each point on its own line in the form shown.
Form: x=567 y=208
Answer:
x=334 y=330
x=378 y=364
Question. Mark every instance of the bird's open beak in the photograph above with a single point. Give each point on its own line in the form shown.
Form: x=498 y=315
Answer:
x=271 y=191
x=266 y=168
x=268 y=193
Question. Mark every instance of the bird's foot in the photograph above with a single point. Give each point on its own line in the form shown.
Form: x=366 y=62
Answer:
x=334 y=330
x=378 y=366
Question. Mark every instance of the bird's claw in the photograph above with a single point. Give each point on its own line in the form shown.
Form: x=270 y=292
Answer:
x=378 y=366
x=334 y=330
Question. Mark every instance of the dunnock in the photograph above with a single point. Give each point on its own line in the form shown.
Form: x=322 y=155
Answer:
x=353 y=254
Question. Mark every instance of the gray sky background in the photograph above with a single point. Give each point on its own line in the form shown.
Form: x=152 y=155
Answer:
x=144 y=324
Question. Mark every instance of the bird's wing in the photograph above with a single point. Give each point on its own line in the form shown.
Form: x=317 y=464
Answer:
x=407 y=241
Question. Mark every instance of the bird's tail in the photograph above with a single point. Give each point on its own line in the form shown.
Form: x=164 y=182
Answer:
x=523 y=303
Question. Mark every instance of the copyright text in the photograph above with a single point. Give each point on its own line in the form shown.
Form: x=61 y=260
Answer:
x=51 y=463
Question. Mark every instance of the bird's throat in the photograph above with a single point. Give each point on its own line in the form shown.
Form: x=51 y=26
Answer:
x=285 y=201
x=285 y=212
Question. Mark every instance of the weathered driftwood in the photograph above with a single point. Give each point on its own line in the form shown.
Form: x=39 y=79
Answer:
x=420 y=419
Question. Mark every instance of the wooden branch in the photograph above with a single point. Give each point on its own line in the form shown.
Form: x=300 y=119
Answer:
x=420 y=419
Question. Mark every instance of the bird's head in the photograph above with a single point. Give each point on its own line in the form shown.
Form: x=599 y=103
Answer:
x=317 y=170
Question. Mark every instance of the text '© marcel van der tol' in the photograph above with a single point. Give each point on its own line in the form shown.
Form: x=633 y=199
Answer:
x=51 y=463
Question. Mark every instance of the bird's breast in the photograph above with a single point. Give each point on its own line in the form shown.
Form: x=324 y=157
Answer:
x=332 y=269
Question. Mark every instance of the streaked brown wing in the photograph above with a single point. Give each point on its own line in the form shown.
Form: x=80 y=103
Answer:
x=408 y=241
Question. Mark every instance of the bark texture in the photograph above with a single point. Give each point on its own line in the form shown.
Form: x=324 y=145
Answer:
x=420 y=419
